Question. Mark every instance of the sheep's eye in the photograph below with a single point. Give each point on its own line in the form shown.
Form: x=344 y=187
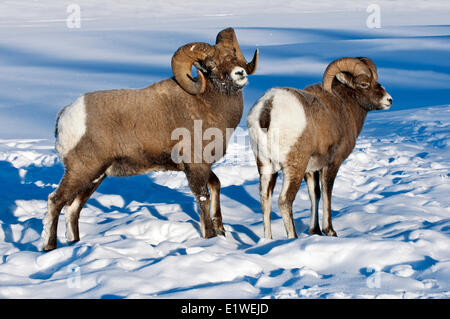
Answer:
x=364 y=85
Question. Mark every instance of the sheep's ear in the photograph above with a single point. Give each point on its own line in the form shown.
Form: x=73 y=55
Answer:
x=345 y=78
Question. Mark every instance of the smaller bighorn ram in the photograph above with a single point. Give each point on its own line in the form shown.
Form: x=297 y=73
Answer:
x=130 y=132
x=309 y=133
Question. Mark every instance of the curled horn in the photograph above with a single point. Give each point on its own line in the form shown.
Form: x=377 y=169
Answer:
x=182 y=62
x=228 y=38
x=371 y=66
x=352 y=65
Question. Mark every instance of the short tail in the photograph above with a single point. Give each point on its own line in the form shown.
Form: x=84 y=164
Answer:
x=57 y=121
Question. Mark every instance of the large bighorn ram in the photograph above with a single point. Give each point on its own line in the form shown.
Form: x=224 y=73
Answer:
x=309 y=133
x=130 y=132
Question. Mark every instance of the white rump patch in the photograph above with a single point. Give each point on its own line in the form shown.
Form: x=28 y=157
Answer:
x=71 y=127
x=287 y=123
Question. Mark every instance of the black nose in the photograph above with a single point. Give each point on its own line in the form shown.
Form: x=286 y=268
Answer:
x=241 y=73
x=390 y=100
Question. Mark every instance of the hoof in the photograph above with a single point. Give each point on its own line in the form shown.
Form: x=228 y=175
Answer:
x=315 y=231
x=220 y=232
x=72 y=242
x=209 y=234
x=49 y=247
x=218 y=227
x=330 y=232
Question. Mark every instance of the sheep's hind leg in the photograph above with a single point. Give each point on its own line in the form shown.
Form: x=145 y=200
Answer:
x=291 y=184
x=74 y=208
x=51 y=223
x=312 y=180
x=75 y=180
x=198 y=177
x=267 y=181
x=216 y=214
x=66 y=191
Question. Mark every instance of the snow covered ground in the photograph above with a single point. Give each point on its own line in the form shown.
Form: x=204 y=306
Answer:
x=140 y=236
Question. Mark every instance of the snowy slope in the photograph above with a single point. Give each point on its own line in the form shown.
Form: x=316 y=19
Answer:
x=140 y=236
x=128 y=44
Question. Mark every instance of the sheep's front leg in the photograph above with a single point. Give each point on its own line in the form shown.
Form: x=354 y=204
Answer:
x=328 y=176
x=312 y=180
x=198 y=177
x=216 y=214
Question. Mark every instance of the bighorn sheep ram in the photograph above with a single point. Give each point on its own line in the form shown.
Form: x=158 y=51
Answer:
x=130 y=132
x=309 y=133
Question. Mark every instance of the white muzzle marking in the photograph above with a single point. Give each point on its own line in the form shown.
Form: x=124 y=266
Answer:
x=239 y=76
x=386 y=101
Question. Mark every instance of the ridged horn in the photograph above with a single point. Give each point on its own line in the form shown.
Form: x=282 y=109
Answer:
x=227 y=38
x=353 y=66
x=371 y=66
x=182 y=62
